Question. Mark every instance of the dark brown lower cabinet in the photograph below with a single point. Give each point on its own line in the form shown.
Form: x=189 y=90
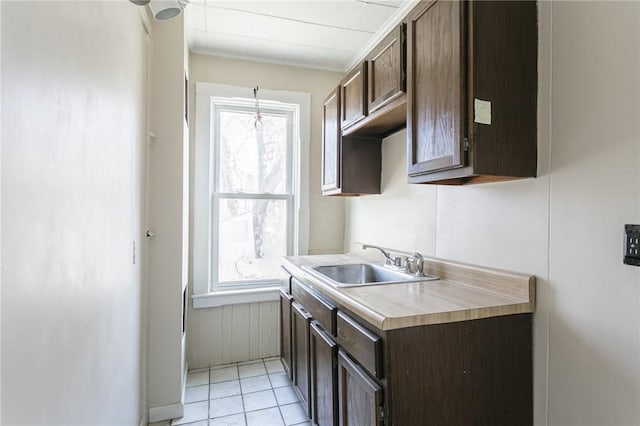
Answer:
x=359 y=397
x=300 y=322
x=285 y=332
x=477 y=372
x=324 y=377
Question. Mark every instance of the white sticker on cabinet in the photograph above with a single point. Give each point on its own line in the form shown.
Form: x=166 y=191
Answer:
x=482 y=111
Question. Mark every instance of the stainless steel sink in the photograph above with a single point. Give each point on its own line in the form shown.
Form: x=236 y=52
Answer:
x=360 y=274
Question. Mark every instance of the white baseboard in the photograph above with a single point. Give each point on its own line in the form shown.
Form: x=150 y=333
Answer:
x=166 y=412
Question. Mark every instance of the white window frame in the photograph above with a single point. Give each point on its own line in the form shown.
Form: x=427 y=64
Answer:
x=205 y=291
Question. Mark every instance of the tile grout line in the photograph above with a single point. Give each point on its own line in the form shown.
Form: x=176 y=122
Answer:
x=236 y=366
x=244 y=408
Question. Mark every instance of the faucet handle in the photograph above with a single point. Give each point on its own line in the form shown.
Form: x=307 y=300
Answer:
x=419 y=261
x=406 y=264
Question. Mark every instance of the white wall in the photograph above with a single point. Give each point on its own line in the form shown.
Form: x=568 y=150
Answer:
x=209 y=329
x=594 y=328
x=168 y=220
x=73 y=114
x=565 y=226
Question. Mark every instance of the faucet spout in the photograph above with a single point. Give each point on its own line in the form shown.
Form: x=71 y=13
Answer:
x=389 y=260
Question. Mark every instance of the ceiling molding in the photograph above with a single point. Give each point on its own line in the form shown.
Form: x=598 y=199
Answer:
x=395 y=20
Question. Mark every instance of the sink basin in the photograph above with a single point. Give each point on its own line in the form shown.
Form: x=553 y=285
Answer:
x=359 y=274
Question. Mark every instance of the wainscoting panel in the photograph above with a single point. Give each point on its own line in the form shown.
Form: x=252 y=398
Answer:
x=232 y=333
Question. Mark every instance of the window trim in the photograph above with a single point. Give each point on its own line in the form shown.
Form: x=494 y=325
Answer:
x=204 y=294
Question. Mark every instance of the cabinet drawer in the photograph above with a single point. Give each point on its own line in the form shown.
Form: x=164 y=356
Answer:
x=321 y=309
x=364 y=346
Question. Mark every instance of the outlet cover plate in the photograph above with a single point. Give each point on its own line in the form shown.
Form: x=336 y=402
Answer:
x=632 y=245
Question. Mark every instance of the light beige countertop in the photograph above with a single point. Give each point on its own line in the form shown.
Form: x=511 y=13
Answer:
x=463 y=292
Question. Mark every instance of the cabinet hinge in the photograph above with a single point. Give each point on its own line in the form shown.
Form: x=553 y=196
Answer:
x=466 y=144
x=381 y=414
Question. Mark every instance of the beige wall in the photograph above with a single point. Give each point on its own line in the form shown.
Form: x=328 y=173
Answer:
x=73 y=114
x=594 y=326
x=565 y=226
x=326 y=214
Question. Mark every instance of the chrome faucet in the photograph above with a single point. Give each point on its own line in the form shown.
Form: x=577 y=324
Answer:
x=419 y=261
x=400 y=263
x=388 y=259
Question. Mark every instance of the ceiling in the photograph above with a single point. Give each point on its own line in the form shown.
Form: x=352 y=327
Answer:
x=326 y=34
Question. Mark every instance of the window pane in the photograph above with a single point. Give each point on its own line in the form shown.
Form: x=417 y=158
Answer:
x=253 y=158
x=253 y=237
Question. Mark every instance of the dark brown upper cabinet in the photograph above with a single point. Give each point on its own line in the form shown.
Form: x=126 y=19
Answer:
x=471 y=91
x=353 y=93
x=386 y=70
x=331 y=142
x=384 y=88
x=350 y=165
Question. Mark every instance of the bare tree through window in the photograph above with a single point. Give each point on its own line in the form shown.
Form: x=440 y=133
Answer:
x=254 y=191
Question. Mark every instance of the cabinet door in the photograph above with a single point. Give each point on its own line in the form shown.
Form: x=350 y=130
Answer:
x=331 y=142
x=354 y=96
x=324 y=378
x=436 y=87
x=285 y=332
x=300 y=320
x=386 y=70
x=359 y=397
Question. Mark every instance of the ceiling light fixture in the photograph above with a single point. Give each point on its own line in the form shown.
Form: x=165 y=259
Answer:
x=163 y=10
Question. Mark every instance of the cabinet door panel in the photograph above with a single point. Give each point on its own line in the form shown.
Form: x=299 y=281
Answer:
x=300 y=320
x=324 y=377
x=285 y=332
x=435 y=104
x=359 y=397
x=354 y=96
x=331 y=141
x=386 y=69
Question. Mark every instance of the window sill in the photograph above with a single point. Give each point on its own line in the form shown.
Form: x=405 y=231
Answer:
x=235 y=297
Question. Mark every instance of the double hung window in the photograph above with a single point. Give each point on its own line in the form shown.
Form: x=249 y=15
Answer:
x=250 y=162
x=253 y=190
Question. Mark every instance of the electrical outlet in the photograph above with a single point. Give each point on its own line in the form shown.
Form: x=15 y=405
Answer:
x=632 y=245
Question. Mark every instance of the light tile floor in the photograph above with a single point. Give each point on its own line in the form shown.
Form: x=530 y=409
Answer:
x=253 y=393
